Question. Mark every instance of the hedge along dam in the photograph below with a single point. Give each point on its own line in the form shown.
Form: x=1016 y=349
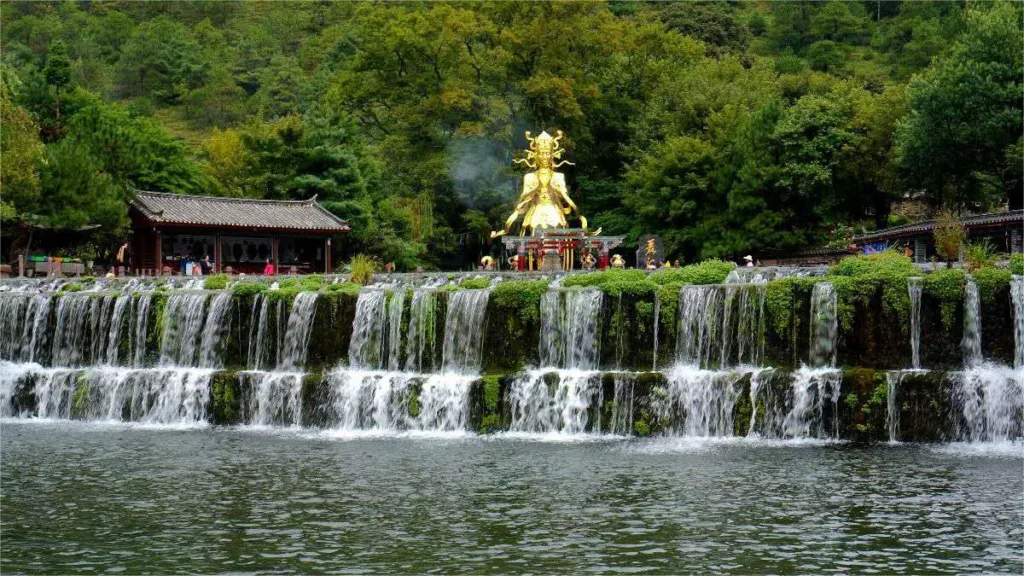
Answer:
x=746 y=353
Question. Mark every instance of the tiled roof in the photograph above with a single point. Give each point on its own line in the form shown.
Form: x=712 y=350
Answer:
x=979 y=220
x=166 y=208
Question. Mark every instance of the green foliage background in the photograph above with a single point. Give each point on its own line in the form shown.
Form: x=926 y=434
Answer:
x=723 y=127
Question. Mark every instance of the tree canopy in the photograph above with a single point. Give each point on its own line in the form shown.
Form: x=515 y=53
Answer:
x=724 y=127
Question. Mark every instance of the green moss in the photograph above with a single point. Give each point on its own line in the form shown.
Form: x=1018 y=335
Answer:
x=490 y=423
x=225 y=407
x=491 y=392
x=707 y=272
x=249 y=288
x=80 y=398
x=521 y=296
x=72 y=287
x=948 y=287
x=478 y=283
x=991 y=281
x=778 y=302
x=1017 y=264
x=414 y=402
x=851 y=400
x=344 y=288
x=88 y=279
x=641 y=428
x=216 y=282
x=597 y=279
x=889 y=264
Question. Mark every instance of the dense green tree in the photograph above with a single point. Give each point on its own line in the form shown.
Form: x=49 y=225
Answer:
x=965 y=113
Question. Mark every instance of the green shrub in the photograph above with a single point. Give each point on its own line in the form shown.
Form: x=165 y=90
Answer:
x=614 y=282
x=950 y=235
x=885 y=265
x=990 y=281
x=979 y=255
x=72 y=287
x=216 y=282
x=475 y=283
x=948 y=287
x=344 y=288
x=597 y=279
x=520 y=295
x=491 y=389
x=248 y=288
x=707 y=272
x=490 y=423
x=362 y=268
x=1017 y=264
x=88 y=279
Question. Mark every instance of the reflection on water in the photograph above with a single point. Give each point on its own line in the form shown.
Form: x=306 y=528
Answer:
x=80 y=498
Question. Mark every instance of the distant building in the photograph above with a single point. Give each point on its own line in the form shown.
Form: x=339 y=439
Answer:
x=235 y=232
x=1004 y=231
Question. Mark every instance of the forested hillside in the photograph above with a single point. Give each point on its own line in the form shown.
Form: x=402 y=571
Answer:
x=725 y=127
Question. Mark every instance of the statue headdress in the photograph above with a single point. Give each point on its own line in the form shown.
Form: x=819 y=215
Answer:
x=544 y=142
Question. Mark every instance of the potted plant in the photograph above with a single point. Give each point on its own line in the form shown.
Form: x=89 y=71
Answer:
x=88 y=255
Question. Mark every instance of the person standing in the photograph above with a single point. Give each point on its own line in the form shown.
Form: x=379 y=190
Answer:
x=268 y=270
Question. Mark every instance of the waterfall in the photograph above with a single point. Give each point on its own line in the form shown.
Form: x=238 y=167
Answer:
x=699 y=323
x=141 y=328
x=762 y=393
x=150 y=396
x=569 y=321
x=622 y=405
x=743 y=322
x=213 y=331
x=371 y=400
x=824 y=325
x=122 y=311
x=1017 y=302
x=811 y=389
x=420 y=341
x=544 y=401
x=275 y=397
x=296 y=334
x=399 y=401
x=396 y=305
x=464 y=331
x=366 y=349
x=971 y=342
x=914 y=290
x=258 y=336
x=701 y=402
x=24 y=326
x=988 y=402
x=37 y=337
x=72 y=330
x=893 y=379
x=184 y=317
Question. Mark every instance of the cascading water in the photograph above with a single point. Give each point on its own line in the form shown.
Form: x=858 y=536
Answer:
x=622 y=405
x=371 y=394
x=1017 y=302
x=258 y=333
x=464 y=331
x=701 y=402
x=989 y=402
x=545 y=401
x=893 y=379
x=743 y=323
x=814 y=390
x=558 y=397
x=914 y=291
x=276 y=396
x=824 y=325
x=699 y=324
x=569 y=328
x=422 y=325
x=971 y=342
x=183 y=327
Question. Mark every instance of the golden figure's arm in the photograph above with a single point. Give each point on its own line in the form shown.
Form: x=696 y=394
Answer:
x=525 y=199
x=558 y=183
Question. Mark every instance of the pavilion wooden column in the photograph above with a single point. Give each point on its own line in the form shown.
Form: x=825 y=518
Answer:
x=217 y=251
x=327 y=255
x=277 y=261
x=158 y=253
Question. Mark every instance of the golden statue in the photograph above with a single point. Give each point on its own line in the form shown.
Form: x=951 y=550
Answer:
x=544 y=201
x=618 y=262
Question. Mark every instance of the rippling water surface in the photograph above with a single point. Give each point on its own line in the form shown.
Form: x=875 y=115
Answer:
x=91 y=498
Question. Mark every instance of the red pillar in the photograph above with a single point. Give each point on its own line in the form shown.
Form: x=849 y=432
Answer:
x=217 y=252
